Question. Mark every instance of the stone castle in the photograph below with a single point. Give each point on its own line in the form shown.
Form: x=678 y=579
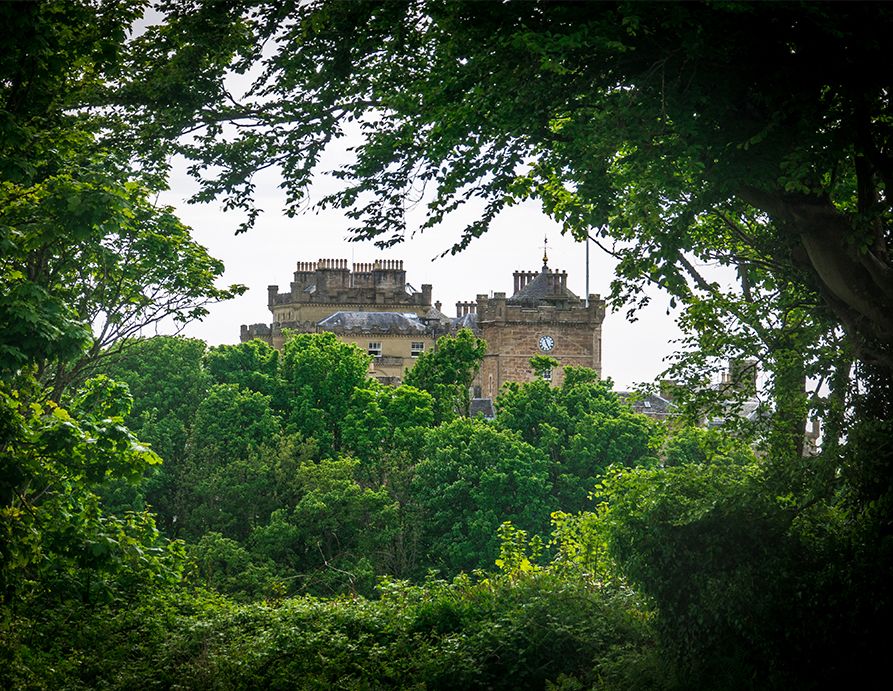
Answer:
x=373 y=306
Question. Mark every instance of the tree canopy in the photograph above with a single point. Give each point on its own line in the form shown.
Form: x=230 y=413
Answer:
x=750 y=134
x=83 y=241
x=448 y=371
x=753 y=136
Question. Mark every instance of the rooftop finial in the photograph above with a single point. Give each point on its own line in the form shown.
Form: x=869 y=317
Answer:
x=545 y=253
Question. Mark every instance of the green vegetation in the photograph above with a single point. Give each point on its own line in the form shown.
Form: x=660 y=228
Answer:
x=448 y=371
x=234 y=517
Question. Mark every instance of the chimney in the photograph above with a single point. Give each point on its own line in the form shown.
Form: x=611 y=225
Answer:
x=743 y=375
x=463 y=308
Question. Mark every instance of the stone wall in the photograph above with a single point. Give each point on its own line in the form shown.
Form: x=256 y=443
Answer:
x=513 y=333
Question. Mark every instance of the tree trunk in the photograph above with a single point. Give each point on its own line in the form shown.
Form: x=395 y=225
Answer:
x=854 y=281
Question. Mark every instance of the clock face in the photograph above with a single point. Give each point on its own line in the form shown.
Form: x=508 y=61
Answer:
x=546 y=343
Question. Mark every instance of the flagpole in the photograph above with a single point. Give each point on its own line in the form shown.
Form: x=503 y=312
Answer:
x=587 y=269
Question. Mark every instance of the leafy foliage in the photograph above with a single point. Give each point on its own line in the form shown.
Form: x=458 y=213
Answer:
x=448 y=371
x=58 y=539
x=224 y=476
x=501 y=104
x=581 y=426
x=652 y=129
x=82 y=242
x=166 y=379
x=473 y=478
x=253 y=365
x=495 y=633
x=320 y=374
x=386 y=422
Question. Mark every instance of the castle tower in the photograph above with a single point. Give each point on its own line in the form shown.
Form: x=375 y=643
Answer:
x=542 y=317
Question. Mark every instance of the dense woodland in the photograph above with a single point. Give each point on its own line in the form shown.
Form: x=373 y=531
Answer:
x=174 y=515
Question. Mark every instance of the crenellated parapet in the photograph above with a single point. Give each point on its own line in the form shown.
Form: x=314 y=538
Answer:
x=541 y=317
x=336 y=282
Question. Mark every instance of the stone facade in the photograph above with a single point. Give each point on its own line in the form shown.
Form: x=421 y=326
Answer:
x=374 y=307
x=323 y=287
x=369 y=304
x=542 y=317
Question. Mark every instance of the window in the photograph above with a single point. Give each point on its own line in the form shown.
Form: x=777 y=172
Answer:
x=374 y=348
x=417 y=348
x=547 y=375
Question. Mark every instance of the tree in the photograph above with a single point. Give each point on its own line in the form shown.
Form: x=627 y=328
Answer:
x=472 y=479
x=581 y=426
x=167 y=381
x=337 y=534
x=386 y=430
x=749 y=585
x=320 y=374
x=448 y=371
x=253 y=365
x=386 y=421
x=524 y=100
x=120 y=264
x=225 y=480
x=59 y=540
x=83 y=242
x=82 y=247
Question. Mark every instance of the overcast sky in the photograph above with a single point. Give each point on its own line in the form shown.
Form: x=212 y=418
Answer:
x=632 y=352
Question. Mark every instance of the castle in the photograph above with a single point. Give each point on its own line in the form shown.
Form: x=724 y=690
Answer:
x=373 y=306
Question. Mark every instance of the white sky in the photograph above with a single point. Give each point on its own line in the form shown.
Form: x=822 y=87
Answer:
x=632 y=352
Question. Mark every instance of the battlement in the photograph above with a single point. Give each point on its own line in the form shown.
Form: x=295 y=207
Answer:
x=468 y=307
x=380 y=284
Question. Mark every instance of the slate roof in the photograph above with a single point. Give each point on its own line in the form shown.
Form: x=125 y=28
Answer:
x=541 y=289
x=751 y=410
x=482 y=406
x=373 y=322
x=652 y=405
x=467 y=321
x=435 y=314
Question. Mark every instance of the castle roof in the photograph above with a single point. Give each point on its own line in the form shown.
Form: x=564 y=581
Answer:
x=543 y=288
x=435 y=314
x=466 y=321
x=373 y=322
x=652 y=405
x=482 y=406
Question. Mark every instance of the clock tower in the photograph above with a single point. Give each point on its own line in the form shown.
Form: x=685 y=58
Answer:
x=541 y=317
